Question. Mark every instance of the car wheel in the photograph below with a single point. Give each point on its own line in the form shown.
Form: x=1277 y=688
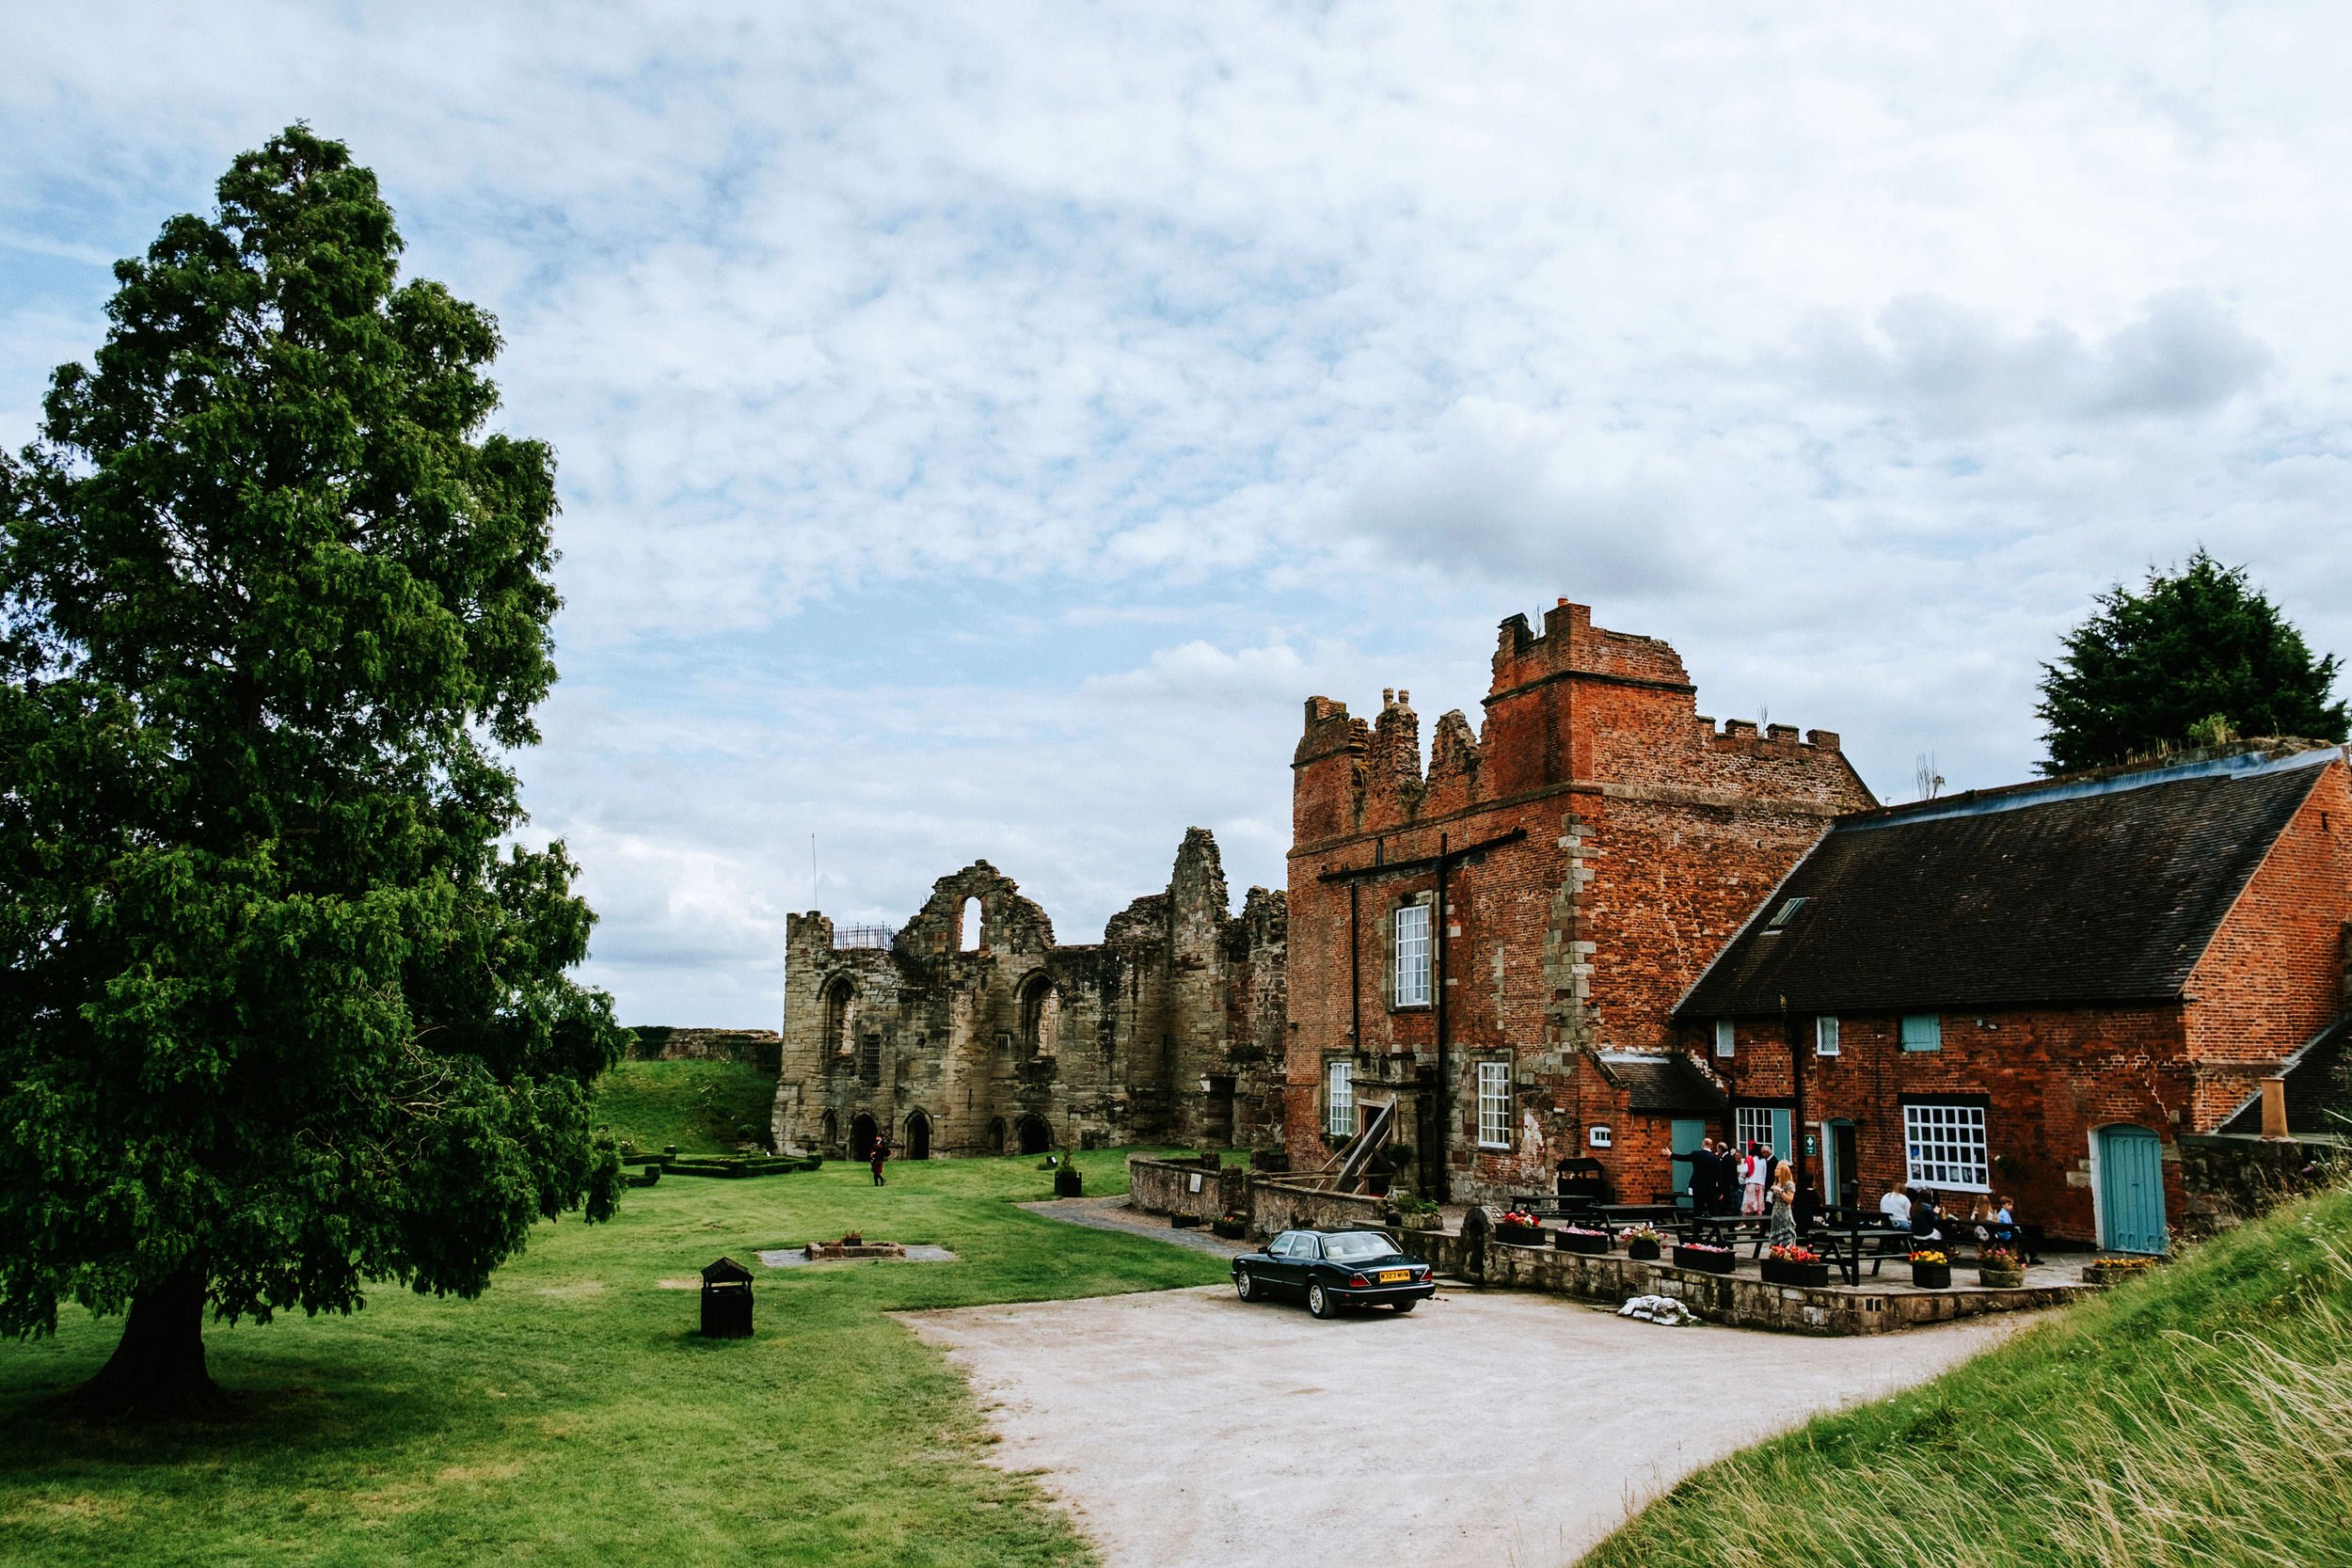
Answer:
x=1403 y=1306
x=1319 y=1301
x=1245 y=1285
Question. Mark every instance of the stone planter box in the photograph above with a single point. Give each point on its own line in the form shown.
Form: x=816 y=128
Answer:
x=2114 y=1273
x=1521 y=1235
x=2001 y=1279
x=1642 y=1252
x=1430 y=1220
x=1810 y=1274
x=1183 y=1221
x=1931 y=1277
x=1705 y=1263
x=1069 y=1183
x=1232 y=1230
x=1568 y=1241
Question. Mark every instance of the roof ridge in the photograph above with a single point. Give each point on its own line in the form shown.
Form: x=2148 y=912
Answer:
x=2017 y=796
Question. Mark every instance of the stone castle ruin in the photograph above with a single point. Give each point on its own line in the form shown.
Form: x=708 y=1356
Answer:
x=971 y=1031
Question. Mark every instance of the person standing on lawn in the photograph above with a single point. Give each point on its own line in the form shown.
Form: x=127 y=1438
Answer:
x=874 y=1160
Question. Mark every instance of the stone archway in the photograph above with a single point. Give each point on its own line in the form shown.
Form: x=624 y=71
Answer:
x=865 y=1133
x=1037 y=1136
x=918 y=1135
x=996 y=1136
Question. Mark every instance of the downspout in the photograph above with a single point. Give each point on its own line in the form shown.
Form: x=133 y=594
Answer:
x=1796 y=1086
x=1444 y=1119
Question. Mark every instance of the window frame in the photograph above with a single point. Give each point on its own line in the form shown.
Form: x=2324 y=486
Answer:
x=1936 y=1114
x=1726 y=1039
x=1934 y=1031
x=1495 y=1073
x=1422 y=905
x=1825 y=1041
x=1339 y=1093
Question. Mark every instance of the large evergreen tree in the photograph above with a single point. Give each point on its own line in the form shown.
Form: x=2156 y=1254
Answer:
x=279 y=1017
x=2198 y=655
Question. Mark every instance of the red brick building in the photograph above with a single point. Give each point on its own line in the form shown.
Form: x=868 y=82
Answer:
x=2036 y=991
x=1496 y=946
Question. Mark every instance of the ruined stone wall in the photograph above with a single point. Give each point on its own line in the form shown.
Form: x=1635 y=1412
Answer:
x=1023 y=1042
x=1625 y=837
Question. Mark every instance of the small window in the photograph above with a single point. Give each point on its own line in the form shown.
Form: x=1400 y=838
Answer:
x=1722 y=1036
x=1923 y=1031
x=1340 y=1078
x=968 y=926
x=1753 y=1124
x=1826 y=1036
x=1412 y=955
x=1943 y=1145
x=1494 y=1104
x=1786 y=912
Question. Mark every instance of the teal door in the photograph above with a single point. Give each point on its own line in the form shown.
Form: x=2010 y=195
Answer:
x=2131 y=1189
x=1688 y=1135
x=1783 y=1140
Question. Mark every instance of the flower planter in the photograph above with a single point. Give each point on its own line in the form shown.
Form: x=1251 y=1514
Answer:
x=1232 y=1230
x=1778 y=1273
x=1705 y=1263
x=2001 y=1279
x=1931 y=1277
x=1183 y=1221
x=1416 y=1220
x=1068 y=1183
x=1642 y=1252
x=2113 y=1274
x=1521 y=1235
x=1569 y=1241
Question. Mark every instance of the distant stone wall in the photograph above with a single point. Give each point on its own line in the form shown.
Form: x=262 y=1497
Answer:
x=2228 y=1179
x=1178 y=1187
x=658 y=1042
x=1280 y=1206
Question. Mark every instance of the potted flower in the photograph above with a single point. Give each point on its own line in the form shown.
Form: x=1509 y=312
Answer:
x=1417 y=1214
x=1233 y=1227
x=1066 y=1181
x=1576 y=1237
x=1704 y=1257
x=2114 y=1271
x=1519 y=1229
x=1642 y=1242
x=1795 y=1265
x=1931 y=1271
x=1997 y=1269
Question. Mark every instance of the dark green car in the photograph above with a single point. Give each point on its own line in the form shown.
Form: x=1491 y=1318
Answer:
x=1334 y=1269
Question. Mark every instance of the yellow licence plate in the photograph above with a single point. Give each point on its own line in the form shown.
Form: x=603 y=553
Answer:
x=1391 y=1276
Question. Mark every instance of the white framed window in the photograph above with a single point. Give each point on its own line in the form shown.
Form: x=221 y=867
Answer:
x=1412 y=932
x=1340 y=1098
x=1923 y=1031
x=1944 y=1146
x=1753 y=1124
x=1722 y=1036
x=1494 y=1104
x=1826 y=1036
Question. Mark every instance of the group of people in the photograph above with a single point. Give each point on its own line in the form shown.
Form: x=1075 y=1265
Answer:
x=1919 y=1211
x=1753 y=1181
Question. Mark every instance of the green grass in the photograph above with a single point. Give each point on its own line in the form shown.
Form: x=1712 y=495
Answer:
x=698 y=1106
x=573 y=1414
x=2202 y=1415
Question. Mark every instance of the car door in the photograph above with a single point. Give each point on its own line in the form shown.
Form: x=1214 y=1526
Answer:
x=1306 y=1257
x=1275 y=1273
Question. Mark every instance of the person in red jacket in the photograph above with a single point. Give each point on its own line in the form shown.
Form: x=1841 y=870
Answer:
x=880 y=1152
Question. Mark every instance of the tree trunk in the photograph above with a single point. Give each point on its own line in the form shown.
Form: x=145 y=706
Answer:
x=158 y=1368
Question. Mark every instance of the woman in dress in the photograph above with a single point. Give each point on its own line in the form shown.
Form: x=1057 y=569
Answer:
x=1752 y=1174
x=1782 y=1231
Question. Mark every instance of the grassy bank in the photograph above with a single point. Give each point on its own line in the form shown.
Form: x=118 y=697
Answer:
x=2202 y=1415
x=573 y=1416
x=700 y=1106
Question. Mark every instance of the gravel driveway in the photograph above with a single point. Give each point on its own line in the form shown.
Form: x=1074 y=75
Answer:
x=1190 y=1430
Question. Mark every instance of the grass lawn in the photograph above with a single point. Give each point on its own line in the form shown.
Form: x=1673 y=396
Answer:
x=2200 y=1417
x=699 y=1106
x=573 y=1414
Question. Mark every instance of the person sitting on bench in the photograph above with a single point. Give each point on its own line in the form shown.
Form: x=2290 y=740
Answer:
x=1896 y=1206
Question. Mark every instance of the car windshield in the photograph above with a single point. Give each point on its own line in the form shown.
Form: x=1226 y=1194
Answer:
x=1355 y=1245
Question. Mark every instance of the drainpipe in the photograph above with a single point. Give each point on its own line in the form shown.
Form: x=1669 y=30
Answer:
x=1446 y=1099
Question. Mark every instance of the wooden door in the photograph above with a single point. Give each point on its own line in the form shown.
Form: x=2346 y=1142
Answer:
x=2131 y=1189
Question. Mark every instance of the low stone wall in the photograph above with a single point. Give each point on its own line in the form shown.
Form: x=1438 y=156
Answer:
x=659 y=1042
x=1280 y=1206
x=2227 y=1179
x=1728 y=1298
x=1183 y=1187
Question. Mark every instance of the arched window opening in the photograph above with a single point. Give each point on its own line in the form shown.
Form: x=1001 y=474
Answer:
x=839 y=1010
x=830 y=1131
x=1036 y=1137
x=863 y=1136
x=996 y=1136
x=918 y=1135
x=870 y=1064
x=1039 y=1017
x=968 y=926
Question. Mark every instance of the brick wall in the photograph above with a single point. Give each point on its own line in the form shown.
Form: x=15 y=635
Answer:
x=1644 y=834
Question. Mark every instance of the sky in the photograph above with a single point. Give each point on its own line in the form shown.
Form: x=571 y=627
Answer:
x=981 y=428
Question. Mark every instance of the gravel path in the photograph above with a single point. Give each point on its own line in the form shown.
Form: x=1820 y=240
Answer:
x=1112 y=1213
x=1189 y=1430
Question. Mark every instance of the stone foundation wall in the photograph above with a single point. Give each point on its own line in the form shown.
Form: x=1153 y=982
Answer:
x=2228 y=1180
x=1175 y=1187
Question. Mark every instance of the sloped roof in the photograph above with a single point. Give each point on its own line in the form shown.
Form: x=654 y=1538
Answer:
x=1662 y=1082
x=2319 y=1088
x=2105 y=889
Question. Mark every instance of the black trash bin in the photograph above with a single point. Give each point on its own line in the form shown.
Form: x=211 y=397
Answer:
x=727 y=1301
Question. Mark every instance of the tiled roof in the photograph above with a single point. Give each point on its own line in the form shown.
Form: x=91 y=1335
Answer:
x=2319 y=1088
x=1661 y=1083
x=2077 y=890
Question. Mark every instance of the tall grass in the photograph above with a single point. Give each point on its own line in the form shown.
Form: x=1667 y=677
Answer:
x=2199 y=1417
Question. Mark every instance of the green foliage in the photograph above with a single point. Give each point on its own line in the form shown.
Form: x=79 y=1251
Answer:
x=695 y=1106
x=275 y=1013
x=2199 y=658
x=573 y=1416
x=2198 y=1416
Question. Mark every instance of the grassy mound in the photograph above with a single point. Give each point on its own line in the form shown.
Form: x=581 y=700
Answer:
x=2202 y=1416
x=572 y=1418
x=699 y=1106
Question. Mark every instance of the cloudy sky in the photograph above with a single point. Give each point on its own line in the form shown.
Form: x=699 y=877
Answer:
x=983 y=426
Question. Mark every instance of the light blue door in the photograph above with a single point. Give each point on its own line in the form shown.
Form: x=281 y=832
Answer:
x=1784 y=1137
x=1687 y=1135
x=2131 y=1189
